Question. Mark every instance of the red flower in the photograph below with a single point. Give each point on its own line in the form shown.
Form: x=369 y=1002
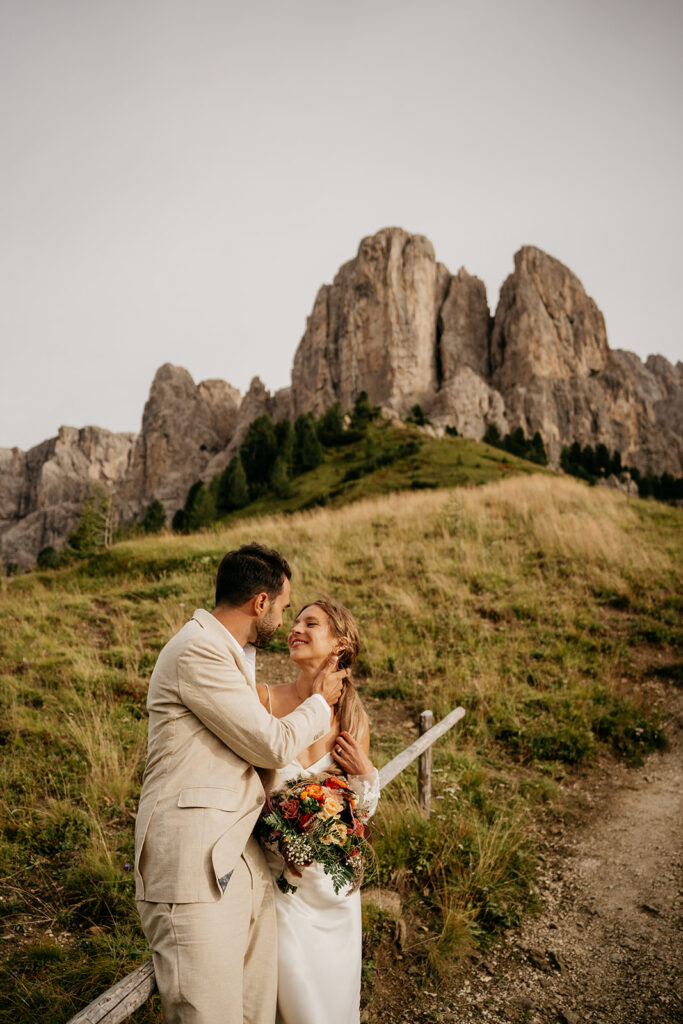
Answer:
x=306 y=822
x=290 y=808
x=335 y=783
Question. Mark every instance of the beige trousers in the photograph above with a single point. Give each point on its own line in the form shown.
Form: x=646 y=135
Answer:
x=216 y=963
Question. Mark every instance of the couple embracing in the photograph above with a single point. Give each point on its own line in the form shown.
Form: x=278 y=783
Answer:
x=228 y=945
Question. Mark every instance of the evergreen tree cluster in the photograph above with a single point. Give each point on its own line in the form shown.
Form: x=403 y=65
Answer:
x=588 y=463
x=270 y=457
x=517 y=444
x=591 y=464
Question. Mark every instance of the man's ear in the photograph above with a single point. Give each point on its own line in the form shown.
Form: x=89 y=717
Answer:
x=261 y=603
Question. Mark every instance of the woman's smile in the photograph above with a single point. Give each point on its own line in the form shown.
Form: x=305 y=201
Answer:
x=311 y=630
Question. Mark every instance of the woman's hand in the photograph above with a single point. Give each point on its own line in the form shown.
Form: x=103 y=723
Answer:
x=351 y=756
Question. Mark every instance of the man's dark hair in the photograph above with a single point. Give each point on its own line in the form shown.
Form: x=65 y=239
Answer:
x=250 y=570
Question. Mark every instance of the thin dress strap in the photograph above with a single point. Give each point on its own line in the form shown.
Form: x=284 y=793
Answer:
x=270 y=703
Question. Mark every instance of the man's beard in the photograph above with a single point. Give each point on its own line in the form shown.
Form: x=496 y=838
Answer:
x=265 y=630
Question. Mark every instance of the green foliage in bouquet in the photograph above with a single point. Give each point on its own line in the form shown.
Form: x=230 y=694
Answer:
x=313 y=821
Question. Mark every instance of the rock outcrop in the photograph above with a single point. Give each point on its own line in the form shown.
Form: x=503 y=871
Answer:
x=397 y=324
x=552 y=365
x=543 y=363
x=545 y=326
x=374 y=328
x=184 y=426
x=43 y=488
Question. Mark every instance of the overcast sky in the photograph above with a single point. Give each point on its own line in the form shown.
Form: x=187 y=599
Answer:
x=179 y=178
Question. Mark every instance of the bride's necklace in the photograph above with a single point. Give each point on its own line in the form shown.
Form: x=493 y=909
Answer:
x=296 y=690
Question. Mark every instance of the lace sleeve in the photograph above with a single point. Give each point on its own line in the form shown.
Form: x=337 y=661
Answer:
x=366 y=788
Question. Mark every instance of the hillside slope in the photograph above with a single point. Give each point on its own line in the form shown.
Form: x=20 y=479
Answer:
x=539 y=604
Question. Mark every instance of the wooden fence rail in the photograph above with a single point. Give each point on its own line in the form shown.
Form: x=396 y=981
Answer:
x=133 y=991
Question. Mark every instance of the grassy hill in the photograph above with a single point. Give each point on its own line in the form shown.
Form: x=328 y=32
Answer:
x=394 y=458
x=550 y=610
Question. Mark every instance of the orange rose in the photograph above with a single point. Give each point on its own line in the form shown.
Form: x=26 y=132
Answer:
x=315 y=792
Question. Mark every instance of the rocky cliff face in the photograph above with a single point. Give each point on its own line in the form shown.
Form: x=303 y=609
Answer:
x=374 y=328
x=545 y=326
x=43 y=488
x=399 y=325
x=550 y=361
x=543 y=363
x=184 y=426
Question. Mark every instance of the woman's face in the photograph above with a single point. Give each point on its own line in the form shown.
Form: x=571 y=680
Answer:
x=311 y=639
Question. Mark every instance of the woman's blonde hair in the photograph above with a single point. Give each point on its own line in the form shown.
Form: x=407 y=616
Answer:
x=349 y=709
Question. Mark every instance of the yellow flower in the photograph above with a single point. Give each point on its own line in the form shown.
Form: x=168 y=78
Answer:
x=336 y=834
x=331 y=808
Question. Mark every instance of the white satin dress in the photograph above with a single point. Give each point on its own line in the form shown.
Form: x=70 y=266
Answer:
x=319 y=932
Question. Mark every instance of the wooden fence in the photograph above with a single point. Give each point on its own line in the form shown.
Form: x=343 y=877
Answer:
x=133 y=991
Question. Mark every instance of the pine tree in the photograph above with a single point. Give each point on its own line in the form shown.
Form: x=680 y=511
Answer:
x=538 y=453
x=279 y=478
x=363 y=413
x=233 y=489
x=602 y=460
x=201 y=511
x=308 y=451
x=492 y=436
x=284 y=438
x=331 y=426
x=258 y=452
x=93 y=532
x=615 y=463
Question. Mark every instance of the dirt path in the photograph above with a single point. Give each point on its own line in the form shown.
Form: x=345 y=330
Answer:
x=608 y=947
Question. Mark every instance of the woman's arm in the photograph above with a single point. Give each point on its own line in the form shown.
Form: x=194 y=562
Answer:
x=264 y=695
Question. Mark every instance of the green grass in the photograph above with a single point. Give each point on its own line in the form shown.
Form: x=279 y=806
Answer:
x=551 y=611
x=420 y=463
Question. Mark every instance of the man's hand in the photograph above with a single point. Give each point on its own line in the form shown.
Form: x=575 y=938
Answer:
x=329 y=680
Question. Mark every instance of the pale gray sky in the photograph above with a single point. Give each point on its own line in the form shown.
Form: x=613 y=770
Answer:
x=179 y=178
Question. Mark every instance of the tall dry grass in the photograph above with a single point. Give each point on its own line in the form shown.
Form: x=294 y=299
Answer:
x=538 y=603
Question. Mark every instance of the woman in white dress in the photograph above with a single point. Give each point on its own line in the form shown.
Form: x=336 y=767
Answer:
x=319 y=932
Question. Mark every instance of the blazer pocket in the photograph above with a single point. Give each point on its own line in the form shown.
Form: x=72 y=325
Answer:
x=209 y=796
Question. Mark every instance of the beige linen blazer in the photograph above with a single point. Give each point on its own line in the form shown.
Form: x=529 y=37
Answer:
x=201 y=794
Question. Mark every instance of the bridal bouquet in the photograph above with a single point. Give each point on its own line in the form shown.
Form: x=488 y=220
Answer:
x=313 y=820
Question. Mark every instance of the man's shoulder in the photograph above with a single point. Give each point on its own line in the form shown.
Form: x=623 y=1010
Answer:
x=202 y=634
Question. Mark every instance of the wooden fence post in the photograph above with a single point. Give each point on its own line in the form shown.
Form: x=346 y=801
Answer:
x=424 y=766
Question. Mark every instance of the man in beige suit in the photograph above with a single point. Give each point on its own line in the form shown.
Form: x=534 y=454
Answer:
x=203 y=888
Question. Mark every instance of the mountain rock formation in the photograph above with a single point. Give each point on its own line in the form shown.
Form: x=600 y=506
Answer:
x=43 y=489
x=184 y=425
x=397 y=324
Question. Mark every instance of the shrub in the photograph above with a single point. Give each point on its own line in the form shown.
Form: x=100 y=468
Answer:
x=417 y=416
x=363 y=413
x=154 y=519
x=49 y=558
